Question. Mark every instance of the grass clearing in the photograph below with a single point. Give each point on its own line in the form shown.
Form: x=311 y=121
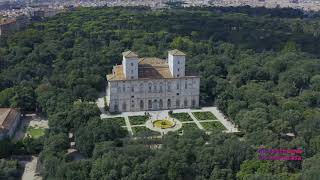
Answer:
x=138 y=120
x=204 y=115
x=182 y=116
x=35 y=132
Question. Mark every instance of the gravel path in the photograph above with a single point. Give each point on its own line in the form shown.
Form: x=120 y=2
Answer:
x=30 y=170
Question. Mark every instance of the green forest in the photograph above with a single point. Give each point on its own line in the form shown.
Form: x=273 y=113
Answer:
x=260 y=68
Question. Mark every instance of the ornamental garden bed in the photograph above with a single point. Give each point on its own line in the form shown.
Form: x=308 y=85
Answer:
x=138 y=120
x=143 y=131
x=118 y=120
x=213 y=126
x=204 y=115
x=187 y=127
x=181 y=116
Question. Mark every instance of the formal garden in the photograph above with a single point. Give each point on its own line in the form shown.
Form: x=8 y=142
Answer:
x=213 y=126
x=204 y=120
x=137 y=120
x=181 y=116
x=143 y=131
x=118 y=120
x=204 y=115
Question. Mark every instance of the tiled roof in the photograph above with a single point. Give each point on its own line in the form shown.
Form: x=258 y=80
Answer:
x=148 y=68
x=129 y=54
x=176 y=52
x=7 y=21
x=7 y=118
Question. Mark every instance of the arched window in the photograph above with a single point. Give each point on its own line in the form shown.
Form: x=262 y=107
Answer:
x=149 y=104
x=141 y=87
x=141 y=105
x=116 y=105
x=160 y=104
x=154 y=88
x=178 y=103
x=193 y=102
x=185 y=102
x=124 y=88
x=169 y=103
x=160 y=88
x=124 y=106
x=132 y=88
x=186 y=84
x=169 y=86
x=178 y=86
x=150 y=87
x=132 y=103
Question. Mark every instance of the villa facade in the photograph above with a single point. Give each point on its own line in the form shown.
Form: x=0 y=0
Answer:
x=142 y=84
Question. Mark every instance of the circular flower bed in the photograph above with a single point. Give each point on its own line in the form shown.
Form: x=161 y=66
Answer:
x=163 y=124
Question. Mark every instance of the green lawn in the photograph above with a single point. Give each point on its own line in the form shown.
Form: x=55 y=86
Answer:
x=35 y=132
x=119 y=120
x=204 y=115
x=138 y=120
x=144 y=131
x=213 y=126
x=182 y=116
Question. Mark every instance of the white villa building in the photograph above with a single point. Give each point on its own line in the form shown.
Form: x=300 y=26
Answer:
x=142 y=84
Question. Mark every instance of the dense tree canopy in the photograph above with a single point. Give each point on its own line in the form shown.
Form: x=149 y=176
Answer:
x=261 y=69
